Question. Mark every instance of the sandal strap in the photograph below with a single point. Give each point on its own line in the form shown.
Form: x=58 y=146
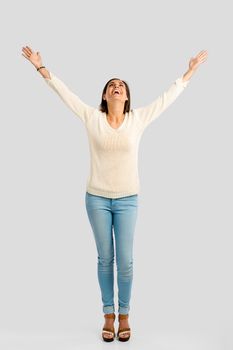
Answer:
x=124 y=330
x=121 y=333
x=122 y=316
x=106 y=330
x=112 y=316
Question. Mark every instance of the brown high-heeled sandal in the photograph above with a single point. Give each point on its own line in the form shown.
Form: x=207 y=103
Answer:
x=123 y=330
x=108 y=330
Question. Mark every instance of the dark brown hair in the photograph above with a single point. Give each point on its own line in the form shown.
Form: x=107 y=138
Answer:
x=103 y=107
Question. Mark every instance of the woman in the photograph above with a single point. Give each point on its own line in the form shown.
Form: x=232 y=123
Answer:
x=114 y=132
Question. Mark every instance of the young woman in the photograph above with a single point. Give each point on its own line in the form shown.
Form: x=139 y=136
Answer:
x=114 y=132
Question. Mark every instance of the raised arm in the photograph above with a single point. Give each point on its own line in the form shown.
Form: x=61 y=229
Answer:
x=82 y=110
x=147 y=114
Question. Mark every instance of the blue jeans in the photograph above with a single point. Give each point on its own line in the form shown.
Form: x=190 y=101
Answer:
x=105 y=214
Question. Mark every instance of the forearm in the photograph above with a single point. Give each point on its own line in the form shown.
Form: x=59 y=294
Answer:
x=150 y=112
x=72 y=100
x=187 y=75
x=44 y=72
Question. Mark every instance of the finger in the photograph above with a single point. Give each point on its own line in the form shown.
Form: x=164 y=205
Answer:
x=203 y=60
x=29 y=48
x=25 y=56
x=199 y=55
x=204 y=57
x=27 y=51
x=202 y=53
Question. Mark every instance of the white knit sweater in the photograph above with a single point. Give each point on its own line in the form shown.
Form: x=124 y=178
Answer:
x=114 y=152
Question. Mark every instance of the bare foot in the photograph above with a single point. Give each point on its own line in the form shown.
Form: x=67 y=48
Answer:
x=109 y=323
x=124 y=324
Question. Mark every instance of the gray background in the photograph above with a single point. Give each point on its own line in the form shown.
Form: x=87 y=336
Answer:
x=182 y=289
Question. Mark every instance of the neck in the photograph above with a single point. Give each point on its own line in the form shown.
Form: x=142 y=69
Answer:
x=115 y=111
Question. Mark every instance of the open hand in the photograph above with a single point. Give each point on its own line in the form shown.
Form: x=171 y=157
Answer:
x=196 y=61
x=33 y=57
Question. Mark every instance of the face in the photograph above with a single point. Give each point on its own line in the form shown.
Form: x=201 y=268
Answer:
x=116 y=90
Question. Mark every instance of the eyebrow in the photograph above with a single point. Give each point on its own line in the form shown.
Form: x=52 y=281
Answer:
x=116 y=80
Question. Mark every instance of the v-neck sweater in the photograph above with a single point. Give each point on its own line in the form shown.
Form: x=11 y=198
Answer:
x=114 y=151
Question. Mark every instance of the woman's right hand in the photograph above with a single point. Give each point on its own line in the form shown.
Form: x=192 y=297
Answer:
x=33 y=57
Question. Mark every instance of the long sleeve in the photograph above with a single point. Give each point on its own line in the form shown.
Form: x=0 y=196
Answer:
x=147 y=114
x=82 y=110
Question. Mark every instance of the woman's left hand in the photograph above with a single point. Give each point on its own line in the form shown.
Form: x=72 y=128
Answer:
x=195 y=62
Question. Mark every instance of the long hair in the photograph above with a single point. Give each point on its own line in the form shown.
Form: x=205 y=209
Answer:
x=103 y=107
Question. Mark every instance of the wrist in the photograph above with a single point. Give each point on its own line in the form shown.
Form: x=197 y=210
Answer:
x=191 y=70
x=187 y=75
x=37 y=65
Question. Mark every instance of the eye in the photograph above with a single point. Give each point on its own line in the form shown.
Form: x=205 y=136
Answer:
x=121 y=84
